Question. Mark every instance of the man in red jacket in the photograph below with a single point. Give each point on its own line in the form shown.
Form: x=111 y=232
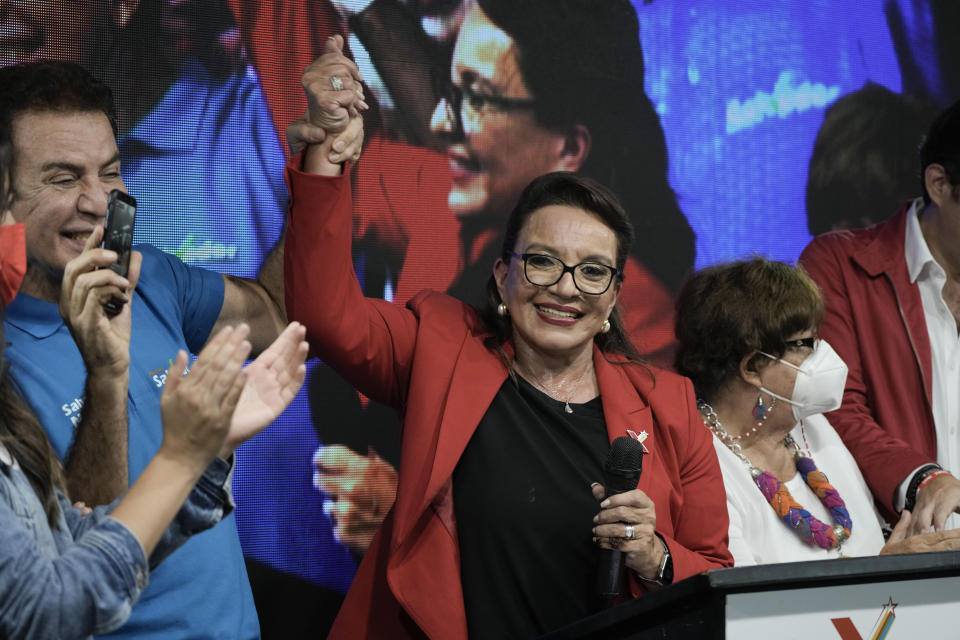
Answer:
x=892 y=293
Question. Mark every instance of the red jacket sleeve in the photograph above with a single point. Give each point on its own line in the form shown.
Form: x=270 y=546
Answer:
x=367 y=340
x=699 y=540
x=701 y=533
x=884 y=460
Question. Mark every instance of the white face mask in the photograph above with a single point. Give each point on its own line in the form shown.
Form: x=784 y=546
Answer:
x=820 y=382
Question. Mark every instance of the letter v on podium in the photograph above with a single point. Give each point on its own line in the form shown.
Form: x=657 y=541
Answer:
x=881 y=627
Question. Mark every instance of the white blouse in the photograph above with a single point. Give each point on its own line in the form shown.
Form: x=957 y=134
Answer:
x=759 y=536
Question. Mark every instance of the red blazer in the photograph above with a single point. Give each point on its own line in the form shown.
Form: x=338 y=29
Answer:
x=875 y=322
x=428 y=361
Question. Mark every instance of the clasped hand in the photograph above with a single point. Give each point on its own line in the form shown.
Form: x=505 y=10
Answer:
x=331 y=110
x=643 y=553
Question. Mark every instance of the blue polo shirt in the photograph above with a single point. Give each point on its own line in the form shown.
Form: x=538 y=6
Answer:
x=201 y=590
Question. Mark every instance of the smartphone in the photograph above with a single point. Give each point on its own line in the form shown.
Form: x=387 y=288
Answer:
x=118 y=237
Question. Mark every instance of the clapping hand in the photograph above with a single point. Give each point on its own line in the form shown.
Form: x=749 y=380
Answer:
x=272 y=381
x=197 y=408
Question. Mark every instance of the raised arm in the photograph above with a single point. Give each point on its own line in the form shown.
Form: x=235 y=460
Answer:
x=368 y=341
x=96 y=465
x=327 y=129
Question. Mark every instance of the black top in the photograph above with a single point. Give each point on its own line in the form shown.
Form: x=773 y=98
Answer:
x=524 y=510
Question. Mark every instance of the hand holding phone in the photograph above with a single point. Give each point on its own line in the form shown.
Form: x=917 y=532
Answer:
x=118 y=237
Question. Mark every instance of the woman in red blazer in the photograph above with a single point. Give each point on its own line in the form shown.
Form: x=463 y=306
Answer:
x=508 y=413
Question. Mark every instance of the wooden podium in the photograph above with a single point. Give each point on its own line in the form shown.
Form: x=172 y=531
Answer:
x=889 y=597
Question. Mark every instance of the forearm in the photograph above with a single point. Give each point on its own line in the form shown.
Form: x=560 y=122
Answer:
x=88 y=589
x=209 y=502
x=97 y=465
x=156 y=496
x=368 y=341
x=270 y=279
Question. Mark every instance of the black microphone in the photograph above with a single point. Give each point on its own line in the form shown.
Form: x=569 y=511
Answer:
x=621 y=472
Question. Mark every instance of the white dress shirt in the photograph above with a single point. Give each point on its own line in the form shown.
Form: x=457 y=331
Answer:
x=930 y=278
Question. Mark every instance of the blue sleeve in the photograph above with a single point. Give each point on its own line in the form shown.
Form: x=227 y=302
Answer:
x=209 y=503
x=196 y=294
x=89 y=589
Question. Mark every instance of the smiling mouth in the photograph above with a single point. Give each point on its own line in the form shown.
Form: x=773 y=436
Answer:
x=555 y=313
x=463 y=162
x=80 y=236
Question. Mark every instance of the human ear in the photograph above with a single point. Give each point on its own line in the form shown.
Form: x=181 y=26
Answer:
x=748 y=370
x=938 y=184
x=500 y=271
x=576 y=148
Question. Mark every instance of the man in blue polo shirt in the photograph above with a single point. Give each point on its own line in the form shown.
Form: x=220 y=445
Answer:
x=65 y=162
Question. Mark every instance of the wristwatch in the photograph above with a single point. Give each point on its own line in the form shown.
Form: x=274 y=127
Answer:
x=664 y=573
x=910 y=499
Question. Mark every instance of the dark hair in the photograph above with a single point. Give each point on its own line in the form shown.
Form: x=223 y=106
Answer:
x=573 y=190
x=582 y=62
x=942 y=146
x=728 y=311
x=25 y=439
x=63 y=87
x=863 y=158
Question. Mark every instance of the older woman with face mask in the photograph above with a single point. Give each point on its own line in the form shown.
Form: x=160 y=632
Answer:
x=508 y=411
x=747 y=333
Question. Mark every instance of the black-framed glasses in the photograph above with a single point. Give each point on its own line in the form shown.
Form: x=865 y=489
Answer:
x=480 y=102
x=542 y=270
x=799 y=343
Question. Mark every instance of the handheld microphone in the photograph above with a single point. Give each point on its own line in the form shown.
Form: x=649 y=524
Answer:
x=621 y=472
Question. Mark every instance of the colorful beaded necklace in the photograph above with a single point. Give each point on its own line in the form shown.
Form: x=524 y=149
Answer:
x=809 y=528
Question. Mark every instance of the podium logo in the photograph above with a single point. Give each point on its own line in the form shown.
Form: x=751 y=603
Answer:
x=881 y=627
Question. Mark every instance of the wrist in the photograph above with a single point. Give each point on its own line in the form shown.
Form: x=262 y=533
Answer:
x=181 y=463
x=910 y=499
x=106 y=388
x=663 y=574
x=316 y=159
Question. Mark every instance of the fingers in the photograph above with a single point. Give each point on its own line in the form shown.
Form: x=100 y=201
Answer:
x=903 y=527
x=175 y=372
x=335 y=459
x=922 y=519
x=334 y=44
x=133 y=272
x=349 y=143
x=598 y=490
x=334 y=91
x=635 y=498
x=302 y=133
x=333 y=51
x=619 y=531
x=95 y=238
x=219 y=368
x=933 y=541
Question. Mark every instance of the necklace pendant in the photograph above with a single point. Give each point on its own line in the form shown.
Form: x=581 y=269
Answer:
x=566 y=407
